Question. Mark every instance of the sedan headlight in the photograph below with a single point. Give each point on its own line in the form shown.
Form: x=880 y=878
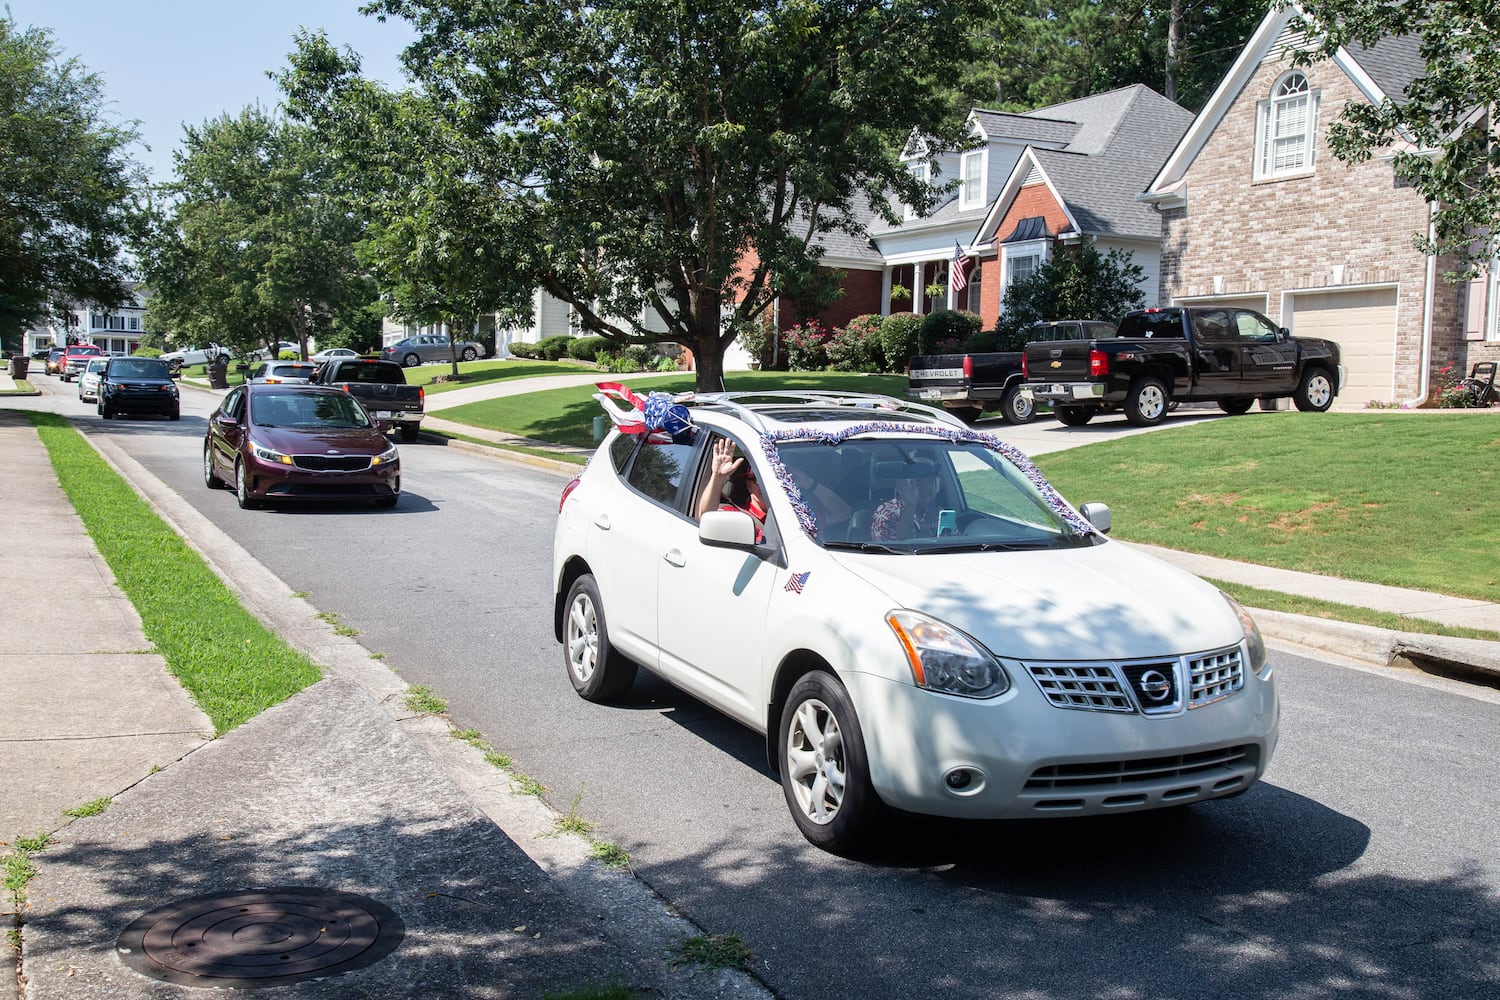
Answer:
x=269 y=455
x=1253 y=640
x=386 y=457
x=944 y=659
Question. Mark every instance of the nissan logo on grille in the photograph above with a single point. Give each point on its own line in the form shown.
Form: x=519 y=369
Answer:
x=1154 y=686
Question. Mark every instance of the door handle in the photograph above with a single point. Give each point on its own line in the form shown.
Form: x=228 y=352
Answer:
x=602 y=521
x=675 y=557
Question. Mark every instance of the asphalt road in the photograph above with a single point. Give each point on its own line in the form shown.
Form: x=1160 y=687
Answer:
x=1366 y=864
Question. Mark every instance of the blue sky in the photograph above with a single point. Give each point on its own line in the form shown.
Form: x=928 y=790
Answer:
x=166 y=62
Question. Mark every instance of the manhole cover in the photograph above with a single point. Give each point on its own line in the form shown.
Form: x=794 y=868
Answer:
x=262 y=938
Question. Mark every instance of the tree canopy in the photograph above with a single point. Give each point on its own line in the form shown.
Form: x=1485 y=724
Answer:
x=667 y=169
x=1443 y=128
x=68 y=187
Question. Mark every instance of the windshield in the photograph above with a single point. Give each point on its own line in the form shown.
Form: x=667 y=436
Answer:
x=308 y=410
x=925 y=495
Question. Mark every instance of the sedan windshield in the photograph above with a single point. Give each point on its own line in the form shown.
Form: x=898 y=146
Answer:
x=925 y=495
x=310 y=410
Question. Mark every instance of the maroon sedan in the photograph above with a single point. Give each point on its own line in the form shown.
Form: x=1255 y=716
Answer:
x=278 y=441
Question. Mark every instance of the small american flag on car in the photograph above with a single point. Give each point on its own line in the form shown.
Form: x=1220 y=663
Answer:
x=797 y=581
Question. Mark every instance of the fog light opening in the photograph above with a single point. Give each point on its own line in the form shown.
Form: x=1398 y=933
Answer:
x=963 y=781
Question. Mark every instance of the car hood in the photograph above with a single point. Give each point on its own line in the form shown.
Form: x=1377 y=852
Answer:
x=1106 y=601
x=141 y=383
x=298 y=441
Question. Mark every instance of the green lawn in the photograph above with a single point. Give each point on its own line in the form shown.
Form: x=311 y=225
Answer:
x=1410 y=500
x=483 y=372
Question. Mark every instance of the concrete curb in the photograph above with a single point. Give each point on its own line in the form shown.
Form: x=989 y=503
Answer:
x=1447 y=656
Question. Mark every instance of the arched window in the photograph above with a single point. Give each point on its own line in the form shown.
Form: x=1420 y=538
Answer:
x=1285 y=126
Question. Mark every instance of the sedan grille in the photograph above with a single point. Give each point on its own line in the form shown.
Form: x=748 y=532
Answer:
x=1149 y=687
x=332 y=463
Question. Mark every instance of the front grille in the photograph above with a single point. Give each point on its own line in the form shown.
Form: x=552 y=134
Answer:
x=332 y=463
x=1148 y=770
x=1150 y=687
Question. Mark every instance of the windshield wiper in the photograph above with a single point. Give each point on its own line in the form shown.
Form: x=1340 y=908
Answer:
x=990 y=546
x=866 y=547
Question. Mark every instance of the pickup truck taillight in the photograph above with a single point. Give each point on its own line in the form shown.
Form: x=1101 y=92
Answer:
x=1025 y=372
x=1098 y=364
x=968 y=367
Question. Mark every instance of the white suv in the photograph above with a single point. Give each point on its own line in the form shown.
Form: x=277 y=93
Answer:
x=920 y=621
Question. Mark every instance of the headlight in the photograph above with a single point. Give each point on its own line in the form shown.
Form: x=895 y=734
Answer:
x=944 y=659
x=1253 y=640
x=386 y=457
x=267 y=455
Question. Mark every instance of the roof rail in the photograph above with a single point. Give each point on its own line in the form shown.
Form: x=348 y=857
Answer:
x=749 y=406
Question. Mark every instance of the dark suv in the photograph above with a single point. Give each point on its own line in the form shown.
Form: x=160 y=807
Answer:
x=138 y=385
x=1070 y=329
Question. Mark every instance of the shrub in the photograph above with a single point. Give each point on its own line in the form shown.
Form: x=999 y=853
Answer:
x=148 y=352
x=807 y=346
x=1451 y=393
x=984 y=342
x=632 y=358
x=856 y=347
x=947 y=330
x=756 y=340
x=554 y=348
x=522 y=349
x=900 y=334
x=587 y=348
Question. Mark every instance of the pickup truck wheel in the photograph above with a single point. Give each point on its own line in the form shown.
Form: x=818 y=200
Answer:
x=409 y=432
x=411 y=361
x=1315 y=392
x=1073 y=416
x=469 y=354
x=1146 y=404
x=596 y=671
x=1234 y=407
x=968 y=414
x=825 y=774
x=1017 y=406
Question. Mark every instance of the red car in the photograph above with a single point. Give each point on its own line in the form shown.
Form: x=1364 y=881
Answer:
x=275 y=441
x=75 y=359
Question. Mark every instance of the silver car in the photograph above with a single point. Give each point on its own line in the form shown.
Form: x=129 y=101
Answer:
x=427 y=348
x=88 y=380
x=286 y=372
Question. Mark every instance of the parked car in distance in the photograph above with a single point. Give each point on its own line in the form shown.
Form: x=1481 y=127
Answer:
x=265 y=353
x=88 y=380
x=298 y=442
x=331 y=353
x=293 y=372
x=135 y=386
x=54 y=360
x=430 y=347
x=919 y=622
x=198 y=355
x=75 y=358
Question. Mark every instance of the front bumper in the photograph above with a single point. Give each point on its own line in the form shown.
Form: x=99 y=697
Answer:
x=274 y=481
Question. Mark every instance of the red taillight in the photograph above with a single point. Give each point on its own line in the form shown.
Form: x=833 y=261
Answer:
x=422 y=395
x=969 y=366
x=1025 y=371
x=1098 y=364
x=567 y=490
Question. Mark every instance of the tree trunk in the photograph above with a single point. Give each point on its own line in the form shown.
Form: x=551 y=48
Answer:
x=708 y=364
x=1174 y=34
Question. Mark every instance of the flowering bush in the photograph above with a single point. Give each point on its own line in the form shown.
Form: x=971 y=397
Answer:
x=807 y=346
x=856 y=347
x=1450 y=393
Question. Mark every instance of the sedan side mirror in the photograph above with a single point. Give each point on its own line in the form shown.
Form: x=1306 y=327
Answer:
x=1097 y=514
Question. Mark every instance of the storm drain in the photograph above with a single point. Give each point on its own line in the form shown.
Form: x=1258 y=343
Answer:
x=260 y=938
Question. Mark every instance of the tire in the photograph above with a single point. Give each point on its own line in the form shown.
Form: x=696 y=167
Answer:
x=1017 y=407
x=1073 y=416
x=105 y=412
x=409 y=432
x=175 y=414
x=242 y=488
x=210 y=477
x=597 y=672
x=1315 y=392
x=968 y=414
x=411 y=360
x=1147 y=402
x=825 y=775
x=1238 y=405
x=469 y=354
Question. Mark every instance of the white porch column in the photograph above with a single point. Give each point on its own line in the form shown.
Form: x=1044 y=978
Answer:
x=885 y=290
x=919 y=291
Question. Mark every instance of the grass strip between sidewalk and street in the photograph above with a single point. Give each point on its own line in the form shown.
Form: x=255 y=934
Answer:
x=1295 y=604
x=233 y=666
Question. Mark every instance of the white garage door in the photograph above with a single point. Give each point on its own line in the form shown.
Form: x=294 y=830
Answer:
x=1363 y=324
x=1256 y=302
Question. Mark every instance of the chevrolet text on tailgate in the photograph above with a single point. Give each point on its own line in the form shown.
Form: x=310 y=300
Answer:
x=906 y=610
x=1176 y=354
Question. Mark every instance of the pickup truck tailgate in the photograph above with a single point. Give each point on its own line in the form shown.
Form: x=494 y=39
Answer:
x=1064 y=360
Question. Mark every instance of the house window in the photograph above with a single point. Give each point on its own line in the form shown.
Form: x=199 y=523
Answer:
x=1285 y=126
x=1021 y=265
x=919 y=171
x=973 y=180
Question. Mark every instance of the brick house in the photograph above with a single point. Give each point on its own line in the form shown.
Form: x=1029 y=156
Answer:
x=1256 y=212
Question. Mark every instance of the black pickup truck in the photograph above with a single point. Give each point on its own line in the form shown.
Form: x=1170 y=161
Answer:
x=969 y=384
x=1182 y=354
x=380 y=387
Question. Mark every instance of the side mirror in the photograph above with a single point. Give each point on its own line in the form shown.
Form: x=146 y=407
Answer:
x=733 y=529
x=1097 y=514
x=1282 y=333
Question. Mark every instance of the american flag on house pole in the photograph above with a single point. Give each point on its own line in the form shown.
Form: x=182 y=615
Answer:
x=958 y=276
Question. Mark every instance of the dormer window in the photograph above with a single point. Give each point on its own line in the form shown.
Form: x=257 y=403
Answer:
x=919 y=171
x=1286 y=124
x=972 y=193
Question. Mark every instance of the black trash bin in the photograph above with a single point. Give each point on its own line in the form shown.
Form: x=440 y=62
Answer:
x=19 y=363
x=218 y=374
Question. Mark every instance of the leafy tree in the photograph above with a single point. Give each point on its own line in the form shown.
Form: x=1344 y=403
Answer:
x=667 y=167
x=1077 y=283
x=1443 y=128
x=252 y=249
x=68 y=189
